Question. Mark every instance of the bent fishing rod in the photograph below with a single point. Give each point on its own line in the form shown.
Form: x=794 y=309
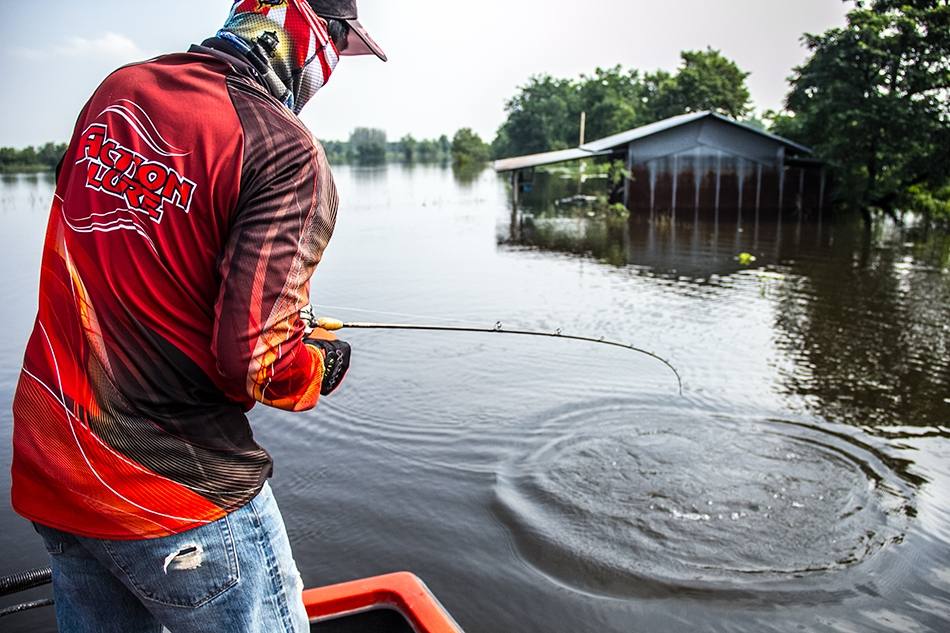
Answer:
x=335 y=325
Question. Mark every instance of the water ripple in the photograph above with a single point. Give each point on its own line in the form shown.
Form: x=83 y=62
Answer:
x=630 y=501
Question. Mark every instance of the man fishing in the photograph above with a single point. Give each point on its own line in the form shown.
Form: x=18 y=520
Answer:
x=191 y=210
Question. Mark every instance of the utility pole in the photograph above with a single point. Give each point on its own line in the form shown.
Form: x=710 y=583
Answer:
x=581 y=169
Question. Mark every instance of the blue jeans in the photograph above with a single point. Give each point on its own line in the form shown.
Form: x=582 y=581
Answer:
x=236 y=574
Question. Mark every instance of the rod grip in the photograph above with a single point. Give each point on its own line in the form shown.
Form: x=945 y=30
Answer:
x=331 y=325
x=25 y=580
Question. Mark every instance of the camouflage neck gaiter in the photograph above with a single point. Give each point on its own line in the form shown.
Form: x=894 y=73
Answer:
x=292 y=39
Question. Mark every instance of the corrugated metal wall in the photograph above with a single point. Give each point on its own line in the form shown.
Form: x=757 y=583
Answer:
x=712 y=168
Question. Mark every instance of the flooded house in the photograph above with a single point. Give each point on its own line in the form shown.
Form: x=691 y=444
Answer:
x=702 y=164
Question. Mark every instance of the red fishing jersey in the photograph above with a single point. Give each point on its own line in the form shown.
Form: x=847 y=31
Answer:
x=190 y=213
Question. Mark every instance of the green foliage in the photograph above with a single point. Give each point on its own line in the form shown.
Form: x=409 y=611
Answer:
x=368 y=146
x=933 y=203
x=617 y=172
x=445 y=145
x=469 y=148
x=612 y=99
x=545 y=113
x=337 y=151
x=757 y=123
x=617 y=210
x=706 y=80
x=874 y=100
x=430 y=151
x=31 y=159
x=407 y=147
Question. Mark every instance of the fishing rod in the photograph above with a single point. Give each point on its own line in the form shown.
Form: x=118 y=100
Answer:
x=335 y=325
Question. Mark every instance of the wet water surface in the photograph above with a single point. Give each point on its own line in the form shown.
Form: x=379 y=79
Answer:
x=653 y=501
x=801 y=482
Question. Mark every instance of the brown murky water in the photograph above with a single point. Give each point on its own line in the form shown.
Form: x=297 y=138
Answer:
x=802 y=482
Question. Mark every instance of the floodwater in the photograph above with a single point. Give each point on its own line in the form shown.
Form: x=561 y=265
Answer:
x=802 y=481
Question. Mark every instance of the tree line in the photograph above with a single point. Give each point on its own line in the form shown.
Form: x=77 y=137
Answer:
x=369 y=146
x=366 y=146
x=31 y=159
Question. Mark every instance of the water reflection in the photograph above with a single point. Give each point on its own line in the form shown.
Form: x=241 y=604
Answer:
x=33 y=191
x=467 y=174
x=860 y=319
x=464 y=175
x=867 y=327
x=369 y=173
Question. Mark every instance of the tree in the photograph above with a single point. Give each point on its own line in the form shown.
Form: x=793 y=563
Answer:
x=408 y=146
x=50 y=154
x=28 y=156
x=874 y=100
x=428 y=151
x=706 y=80
x=613 y=99
x=445 y=147
x=368 y=146
x=9 y=159
x=468 y=148
x=541 y=117
x=337 y=151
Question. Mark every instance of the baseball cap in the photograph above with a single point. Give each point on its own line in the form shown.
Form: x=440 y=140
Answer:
x=359 y=42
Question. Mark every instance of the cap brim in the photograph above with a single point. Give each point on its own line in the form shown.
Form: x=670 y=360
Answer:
x=360 y=43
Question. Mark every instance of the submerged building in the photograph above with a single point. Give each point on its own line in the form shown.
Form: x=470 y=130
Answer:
x=702 y=162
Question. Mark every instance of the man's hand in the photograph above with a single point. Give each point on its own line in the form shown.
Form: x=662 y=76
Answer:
x=336 y=358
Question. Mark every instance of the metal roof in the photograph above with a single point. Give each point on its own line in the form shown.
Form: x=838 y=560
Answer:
x=643 y=131
x=661 y=126
x=545 y=158
x=606 y=145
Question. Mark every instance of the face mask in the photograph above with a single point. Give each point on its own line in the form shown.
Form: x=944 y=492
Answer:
x=303 y=56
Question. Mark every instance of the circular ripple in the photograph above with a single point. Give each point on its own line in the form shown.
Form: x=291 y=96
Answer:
x=641 y=501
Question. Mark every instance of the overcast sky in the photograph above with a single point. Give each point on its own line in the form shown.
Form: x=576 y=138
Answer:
x=452 y=63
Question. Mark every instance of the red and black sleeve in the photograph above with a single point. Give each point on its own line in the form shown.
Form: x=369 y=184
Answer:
x=283 y=221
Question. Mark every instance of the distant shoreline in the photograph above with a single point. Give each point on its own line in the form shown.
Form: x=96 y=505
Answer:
x=26 y=170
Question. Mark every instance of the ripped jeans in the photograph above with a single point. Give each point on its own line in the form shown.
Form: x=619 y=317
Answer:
x=236 y=574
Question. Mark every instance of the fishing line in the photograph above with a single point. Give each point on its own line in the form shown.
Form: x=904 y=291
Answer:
x=399 y=314
x=334 y=325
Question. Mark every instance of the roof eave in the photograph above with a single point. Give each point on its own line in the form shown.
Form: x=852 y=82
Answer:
x=544 y=158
